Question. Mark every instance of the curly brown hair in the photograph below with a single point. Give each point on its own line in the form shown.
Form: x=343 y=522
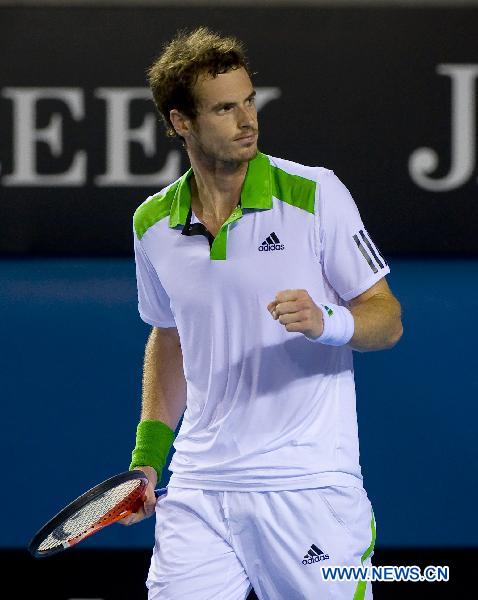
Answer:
x=174 y=73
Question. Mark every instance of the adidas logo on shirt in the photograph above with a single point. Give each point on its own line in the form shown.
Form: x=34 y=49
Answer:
x=271 y=243
x=314 y=555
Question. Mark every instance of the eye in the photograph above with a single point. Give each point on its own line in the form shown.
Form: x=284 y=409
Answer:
x=251 y=100
x=226 y=108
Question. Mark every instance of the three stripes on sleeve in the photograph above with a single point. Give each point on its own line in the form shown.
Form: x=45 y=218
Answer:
x=369 y=251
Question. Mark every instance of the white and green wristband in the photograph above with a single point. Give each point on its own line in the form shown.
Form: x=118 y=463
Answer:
x=338 y=325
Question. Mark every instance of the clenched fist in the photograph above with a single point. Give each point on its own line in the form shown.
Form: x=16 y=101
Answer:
x=296 y=310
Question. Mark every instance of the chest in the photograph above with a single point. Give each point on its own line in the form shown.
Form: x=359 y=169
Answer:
x=265 y=252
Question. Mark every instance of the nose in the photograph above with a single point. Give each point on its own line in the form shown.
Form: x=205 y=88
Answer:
x=247 y=117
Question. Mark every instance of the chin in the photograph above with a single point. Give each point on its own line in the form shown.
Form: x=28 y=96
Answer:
x=244 y=155
x=249 y=153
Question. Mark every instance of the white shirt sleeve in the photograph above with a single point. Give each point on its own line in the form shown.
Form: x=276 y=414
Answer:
x=352 y=263
x=153 y=302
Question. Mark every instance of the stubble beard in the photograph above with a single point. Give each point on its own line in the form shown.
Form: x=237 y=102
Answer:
x=230 y=159
x=234 y=158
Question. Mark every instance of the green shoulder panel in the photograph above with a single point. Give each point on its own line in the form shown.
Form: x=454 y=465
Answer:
x=293 y=189
x=153 y=210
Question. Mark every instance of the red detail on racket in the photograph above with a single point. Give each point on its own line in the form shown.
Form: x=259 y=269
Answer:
x=102 y=505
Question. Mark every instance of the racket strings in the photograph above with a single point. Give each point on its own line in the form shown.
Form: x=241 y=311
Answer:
x=99 y=510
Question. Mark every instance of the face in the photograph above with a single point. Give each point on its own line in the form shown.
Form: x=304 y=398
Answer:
x=225 y=128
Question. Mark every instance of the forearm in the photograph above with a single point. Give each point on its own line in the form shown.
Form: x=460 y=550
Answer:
x=377 y=323
x=163 y=403
x=164 y=384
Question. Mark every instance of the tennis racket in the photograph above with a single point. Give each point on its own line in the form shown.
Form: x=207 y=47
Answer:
x=102 y=505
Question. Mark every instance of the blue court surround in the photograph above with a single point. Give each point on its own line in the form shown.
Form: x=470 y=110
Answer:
x=70 y=376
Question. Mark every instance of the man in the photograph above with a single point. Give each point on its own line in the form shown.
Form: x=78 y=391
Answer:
x=259 y=280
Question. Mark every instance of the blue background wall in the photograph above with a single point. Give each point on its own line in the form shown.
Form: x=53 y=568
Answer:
x=71 y=359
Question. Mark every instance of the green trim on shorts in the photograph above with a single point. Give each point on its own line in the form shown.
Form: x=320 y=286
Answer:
x=362 y=585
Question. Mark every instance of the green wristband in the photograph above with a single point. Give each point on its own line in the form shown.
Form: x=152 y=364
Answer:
x=153 y=442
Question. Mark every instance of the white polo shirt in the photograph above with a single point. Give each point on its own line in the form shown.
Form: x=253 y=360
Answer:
x=266 y=409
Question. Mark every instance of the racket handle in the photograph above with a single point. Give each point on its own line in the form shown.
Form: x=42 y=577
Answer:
x=139 y=502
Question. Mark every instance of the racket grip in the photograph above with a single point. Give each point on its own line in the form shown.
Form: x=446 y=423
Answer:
x=139 y=502
x=160 y=492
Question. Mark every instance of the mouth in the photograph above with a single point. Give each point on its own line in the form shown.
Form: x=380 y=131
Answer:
x=251 y=137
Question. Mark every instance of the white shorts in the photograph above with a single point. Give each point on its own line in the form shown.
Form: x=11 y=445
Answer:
x=217 y=545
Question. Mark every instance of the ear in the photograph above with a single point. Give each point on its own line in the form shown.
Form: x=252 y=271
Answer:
x=180 y=123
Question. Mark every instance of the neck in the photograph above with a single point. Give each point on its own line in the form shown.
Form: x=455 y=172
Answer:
x=216 y=186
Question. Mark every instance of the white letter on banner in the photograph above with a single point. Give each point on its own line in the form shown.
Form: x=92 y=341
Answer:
x=424 y=161
x=266 y=95
x=119 y=135
x=26 y=137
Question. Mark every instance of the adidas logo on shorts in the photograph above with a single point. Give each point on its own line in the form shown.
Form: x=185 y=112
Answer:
x=271 y=243
x=314 y=555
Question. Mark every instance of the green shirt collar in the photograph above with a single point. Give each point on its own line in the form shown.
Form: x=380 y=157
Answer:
x=256 y=190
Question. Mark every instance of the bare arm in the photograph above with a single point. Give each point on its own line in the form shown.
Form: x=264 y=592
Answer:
x=164 y=385
x=376 y=313
x=377 y=319
x=163 y=398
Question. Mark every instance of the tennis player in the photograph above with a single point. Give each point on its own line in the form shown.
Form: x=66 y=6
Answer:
x=258 y=278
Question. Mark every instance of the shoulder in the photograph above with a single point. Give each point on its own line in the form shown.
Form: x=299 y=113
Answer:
x=294 y=168
x=316 y=174
x=297 y=184
x=154 y=208
x=334 y=196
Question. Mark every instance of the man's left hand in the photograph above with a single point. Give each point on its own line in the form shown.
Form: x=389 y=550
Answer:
x=296 y=310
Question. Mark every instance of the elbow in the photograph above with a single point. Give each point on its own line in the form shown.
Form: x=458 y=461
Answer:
x=395 y=335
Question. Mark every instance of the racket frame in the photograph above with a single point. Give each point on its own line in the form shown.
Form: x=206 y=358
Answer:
x=131 y=503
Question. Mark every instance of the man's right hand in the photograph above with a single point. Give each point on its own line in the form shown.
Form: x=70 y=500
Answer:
x=149 y=499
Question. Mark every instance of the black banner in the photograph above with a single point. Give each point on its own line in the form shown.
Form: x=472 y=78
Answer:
x=386 y=97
